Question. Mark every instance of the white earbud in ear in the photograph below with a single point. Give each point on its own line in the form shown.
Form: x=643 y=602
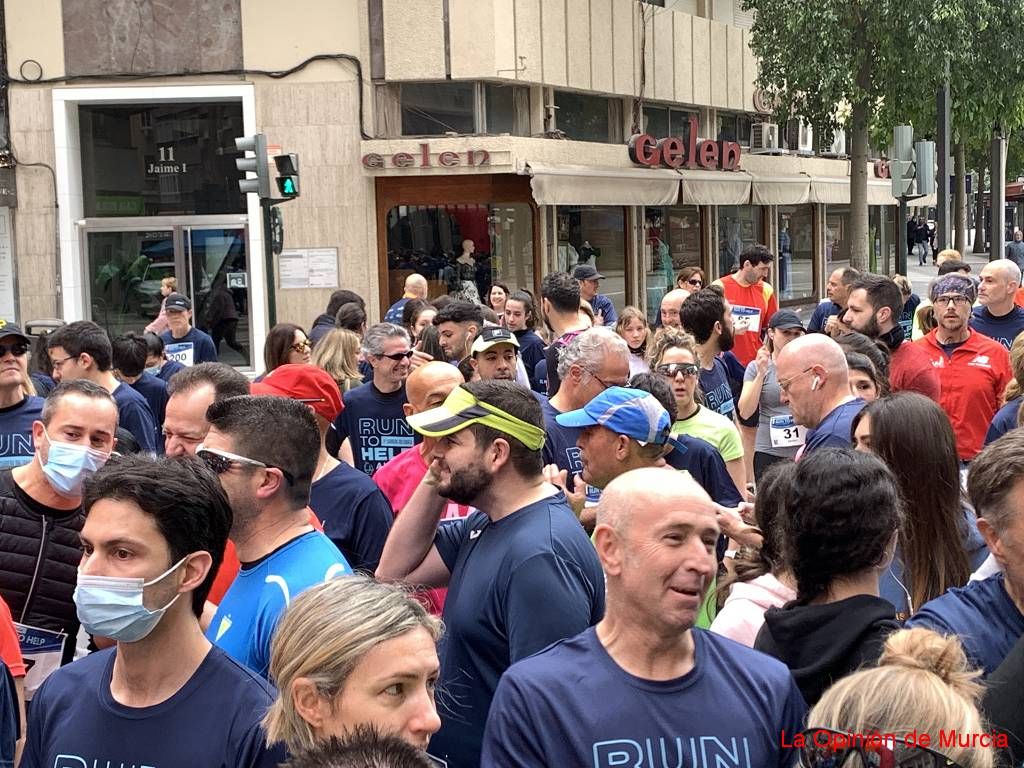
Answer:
x=815 y=382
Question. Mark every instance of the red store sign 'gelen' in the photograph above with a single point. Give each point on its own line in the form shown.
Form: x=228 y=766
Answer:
x=674 y=152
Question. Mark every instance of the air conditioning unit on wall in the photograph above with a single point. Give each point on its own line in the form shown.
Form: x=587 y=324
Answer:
x=764 y=139
x=799 y=138
x=837 y=148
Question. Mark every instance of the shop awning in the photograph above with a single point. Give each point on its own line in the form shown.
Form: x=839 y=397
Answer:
x=880 y=193
x=589 y=185
x=831 y=191
x=715 y=187
x=793 y=189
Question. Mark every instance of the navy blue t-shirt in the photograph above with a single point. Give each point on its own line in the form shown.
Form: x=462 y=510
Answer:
x=168 y=369
x=603 y=305
x=714 y=383
x=531 y=352
x=191 y=349
x=834 y=430
x=573 y=705
x=822 y=313
x=1002 y=329
x=560 y=443
x=213 y=721
x=517 y=585
x=355 y=514
x=1004 y=420
x=16 y=447
x=375 y=425
x=135 y=416
x=44 y=384
x=394 y=313
x=705 y=464
x=155 y=392
x=981 y=614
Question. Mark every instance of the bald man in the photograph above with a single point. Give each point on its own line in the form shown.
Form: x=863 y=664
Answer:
x=670 y=305
x=415 y=288
x=699 y=692
x=814 y=380
x=998 y=317
x=426 y=388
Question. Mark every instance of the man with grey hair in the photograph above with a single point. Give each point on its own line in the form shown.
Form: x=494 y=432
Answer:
x=837 y=290
x=815 y=383
x=998 y=317
x=671 y=303
x=593 y=361
x=1015 y=249
x=371 y=428
x=680 y=692
x=988 y=615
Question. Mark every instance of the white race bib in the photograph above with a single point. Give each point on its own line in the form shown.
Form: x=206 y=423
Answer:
x=785 y=432
x=746 y=320
x=42 y=650
x=180 y=351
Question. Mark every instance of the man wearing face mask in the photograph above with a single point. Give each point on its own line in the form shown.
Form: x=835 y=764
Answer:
x=40 y=519
x=164 y=695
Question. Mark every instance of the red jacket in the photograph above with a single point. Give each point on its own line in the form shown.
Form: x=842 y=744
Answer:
x=910 y=368
x=973 y=381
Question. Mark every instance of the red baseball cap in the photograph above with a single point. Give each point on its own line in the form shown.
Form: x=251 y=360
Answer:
x=306 y=383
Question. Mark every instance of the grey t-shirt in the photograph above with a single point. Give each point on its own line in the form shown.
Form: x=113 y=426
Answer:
x=770 y=405
x=1015 y=253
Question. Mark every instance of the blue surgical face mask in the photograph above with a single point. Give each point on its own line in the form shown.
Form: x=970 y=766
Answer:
x=153 y=370
x=112 y=607
x=68 y=465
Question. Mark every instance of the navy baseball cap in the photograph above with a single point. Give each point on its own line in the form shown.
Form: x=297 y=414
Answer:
x=11 y=329
x=630 y=412
x=177 y=303
x=786 y=318
x=586 y=272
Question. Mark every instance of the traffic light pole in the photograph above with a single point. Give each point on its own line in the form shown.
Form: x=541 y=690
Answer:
x=268 y=255
x=901 y=249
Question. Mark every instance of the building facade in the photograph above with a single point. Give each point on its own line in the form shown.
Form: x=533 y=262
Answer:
x=474 y=141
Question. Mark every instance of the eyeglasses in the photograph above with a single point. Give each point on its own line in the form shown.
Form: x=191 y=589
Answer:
x=398 y=356
x=671 y=370
x=18 y=349
x=959 y=300
x=784 y=385
x=302 y=346
x=220 y=462
x=608 y=384
x=825 y=748
x=58 y=364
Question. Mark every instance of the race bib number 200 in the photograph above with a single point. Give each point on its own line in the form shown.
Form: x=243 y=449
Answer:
x=182 y=352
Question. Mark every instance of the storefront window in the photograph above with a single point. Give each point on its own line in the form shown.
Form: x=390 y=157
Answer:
x=662 y=121
x=672 y=242
x=595 y=235
x=507 y=109
x=587 y=118
x=436 y=109
x=157 y=160
x=734 y=127
x=795 y=277
x=880 y=235
x=460 y=249
x=738 y=227
x=837 y=236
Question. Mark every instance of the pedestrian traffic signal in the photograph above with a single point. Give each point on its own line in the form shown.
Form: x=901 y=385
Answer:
x=287 y=175
x=257 y=164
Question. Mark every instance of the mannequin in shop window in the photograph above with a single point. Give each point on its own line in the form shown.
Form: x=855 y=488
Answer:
x=462 y=284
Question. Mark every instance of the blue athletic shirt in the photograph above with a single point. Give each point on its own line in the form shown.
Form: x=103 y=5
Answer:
x=135 y=416
x=1002 y=329
x=714 y=383
x=1004 y=420
x=834 y=429
x=355 y=514
x=705 y=464
x=375 y=425
x=573 y=705
x=517 y=585
x=213 y=721
x=247 y=616
x=981 y=614
x=155 y=391
x=16 y=446
x=191 y=349
x=168 y=369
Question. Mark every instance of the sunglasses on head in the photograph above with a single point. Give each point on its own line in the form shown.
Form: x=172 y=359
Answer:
x=673 y=369
x=18 y=348
x=398 y=356
x=220 y=462
x=825 y=748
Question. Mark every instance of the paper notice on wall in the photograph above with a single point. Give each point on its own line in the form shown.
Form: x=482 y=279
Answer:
x=308 y=268
x=7 y=303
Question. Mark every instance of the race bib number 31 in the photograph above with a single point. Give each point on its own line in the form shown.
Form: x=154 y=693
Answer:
x=785 y=432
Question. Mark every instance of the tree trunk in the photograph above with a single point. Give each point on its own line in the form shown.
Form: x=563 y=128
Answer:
x=858 y=236
x=959 y=199
x=980 y=241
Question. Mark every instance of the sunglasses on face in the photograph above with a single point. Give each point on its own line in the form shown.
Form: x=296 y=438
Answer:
x=671 y=370
x=220 y=462
x=695 y=282
x=18 y=349
x=302 y=346
x=398 y=356
x=825 y=748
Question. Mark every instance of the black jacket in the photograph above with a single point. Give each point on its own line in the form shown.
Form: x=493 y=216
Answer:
x=40 y=552
x=822 y=643
x=321 y=326
x=1004 y=702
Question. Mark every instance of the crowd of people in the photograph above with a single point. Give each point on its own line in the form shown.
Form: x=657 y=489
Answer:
x=525 y=531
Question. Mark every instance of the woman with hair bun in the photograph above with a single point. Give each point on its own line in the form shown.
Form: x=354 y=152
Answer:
x=837 y=553
x=922 y=685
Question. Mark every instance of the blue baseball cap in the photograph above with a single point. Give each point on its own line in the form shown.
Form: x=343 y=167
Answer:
x=630 y=412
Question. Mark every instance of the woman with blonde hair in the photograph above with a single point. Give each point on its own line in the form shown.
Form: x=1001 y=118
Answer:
x=353 y=652
x=922 y=685
x=633 y=327
x=337 y=352
x=1006 y=417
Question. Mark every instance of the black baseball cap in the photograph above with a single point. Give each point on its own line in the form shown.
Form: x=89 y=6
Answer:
x=786 y=318
x=586 y=272
x=177 y=302
x=11 y=329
